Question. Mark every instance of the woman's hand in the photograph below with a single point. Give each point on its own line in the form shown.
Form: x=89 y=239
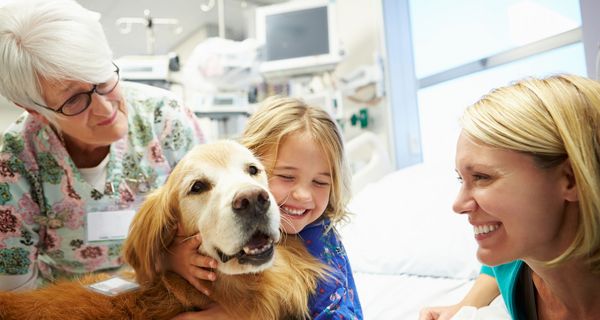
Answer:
x=439 y=313
x=185 y=260
x=212 y=312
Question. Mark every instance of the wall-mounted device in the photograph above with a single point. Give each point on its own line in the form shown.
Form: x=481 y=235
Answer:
x=154 y=70
x=298 y=37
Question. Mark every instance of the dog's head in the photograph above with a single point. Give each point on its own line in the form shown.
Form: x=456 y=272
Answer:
x=219 y=190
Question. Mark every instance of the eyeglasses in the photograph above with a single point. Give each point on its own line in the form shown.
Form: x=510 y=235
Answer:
x=81 y=101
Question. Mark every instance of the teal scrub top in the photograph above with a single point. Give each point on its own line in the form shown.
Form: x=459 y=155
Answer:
x=506 y=276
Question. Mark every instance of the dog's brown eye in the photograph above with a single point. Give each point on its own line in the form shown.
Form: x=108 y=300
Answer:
x=200 y=186
x=253 y=170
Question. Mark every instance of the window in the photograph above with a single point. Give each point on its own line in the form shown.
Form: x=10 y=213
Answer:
x=450 y=33
x=441 y=105
x=459 y=50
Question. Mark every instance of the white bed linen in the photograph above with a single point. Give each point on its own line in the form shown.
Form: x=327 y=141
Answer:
x=408 y=250
x=491 y=312
x=386 y=296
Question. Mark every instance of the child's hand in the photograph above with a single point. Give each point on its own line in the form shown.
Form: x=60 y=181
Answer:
x=185 y=260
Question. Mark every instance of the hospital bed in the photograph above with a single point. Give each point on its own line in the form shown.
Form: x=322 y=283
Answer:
x=407 y=248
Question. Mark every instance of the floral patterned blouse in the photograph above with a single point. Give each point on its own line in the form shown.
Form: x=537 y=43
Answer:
x=44 y=199
x=335 y=298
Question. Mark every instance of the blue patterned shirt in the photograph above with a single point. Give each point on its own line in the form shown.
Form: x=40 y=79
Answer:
x=334 y=298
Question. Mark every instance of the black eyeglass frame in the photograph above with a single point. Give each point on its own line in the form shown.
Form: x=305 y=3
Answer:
x=89 y=96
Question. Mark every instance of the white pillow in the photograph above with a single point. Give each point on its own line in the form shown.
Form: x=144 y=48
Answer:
x=404 y=224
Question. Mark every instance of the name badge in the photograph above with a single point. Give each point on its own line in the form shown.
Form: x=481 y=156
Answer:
x=108 y=225
x=114 y=286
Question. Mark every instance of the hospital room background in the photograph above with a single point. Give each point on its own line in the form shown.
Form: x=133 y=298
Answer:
x=395 y=74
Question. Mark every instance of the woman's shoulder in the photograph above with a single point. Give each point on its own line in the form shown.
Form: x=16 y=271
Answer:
x=139 y=92
x=23 y=130
x=152 y=104
x=21 y=123
x=506 y=274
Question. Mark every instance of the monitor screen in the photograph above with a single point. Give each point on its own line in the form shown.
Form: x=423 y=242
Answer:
x=297 y=34
x=298 y=37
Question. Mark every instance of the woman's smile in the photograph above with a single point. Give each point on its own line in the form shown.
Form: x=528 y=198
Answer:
x=110 y=120
x=485 y=231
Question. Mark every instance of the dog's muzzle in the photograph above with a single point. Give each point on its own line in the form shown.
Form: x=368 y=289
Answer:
x=251 y=207
x=258 y=250
x=252 y=203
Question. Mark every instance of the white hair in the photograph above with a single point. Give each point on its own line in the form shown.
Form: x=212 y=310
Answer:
x=49 y=39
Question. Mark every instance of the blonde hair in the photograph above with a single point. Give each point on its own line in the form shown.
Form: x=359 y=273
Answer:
x=551 y=119
x=280 y=117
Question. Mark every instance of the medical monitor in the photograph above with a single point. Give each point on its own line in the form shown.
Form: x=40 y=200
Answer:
x=298 y=37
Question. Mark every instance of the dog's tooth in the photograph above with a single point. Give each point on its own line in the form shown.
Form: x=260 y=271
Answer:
x=262 y=249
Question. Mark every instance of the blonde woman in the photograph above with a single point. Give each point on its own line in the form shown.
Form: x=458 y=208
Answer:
x=529 y=161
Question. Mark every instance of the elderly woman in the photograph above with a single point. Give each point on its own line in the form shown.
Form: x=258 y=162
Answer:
x=529 y=161
x=78 y=162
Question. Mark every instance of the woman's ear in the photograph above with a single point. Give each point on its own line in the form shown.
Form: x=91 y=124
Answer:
x=570 y=186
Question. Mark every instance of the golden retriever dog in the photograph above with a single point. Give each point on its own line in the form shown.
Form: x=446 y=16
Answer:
x=219 y=190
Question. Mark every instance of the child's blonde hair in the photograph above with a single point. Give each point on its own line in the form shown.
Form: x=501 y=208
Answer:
x=279 y=117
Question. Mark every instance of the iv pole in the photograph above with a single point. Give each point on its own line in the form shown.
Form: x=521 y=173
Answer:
x=206 y=7
x=221 y=12
x=125 y=24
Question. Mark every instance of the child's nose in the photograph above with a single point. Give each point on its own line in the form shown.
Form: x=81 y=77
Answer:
x=302 y=194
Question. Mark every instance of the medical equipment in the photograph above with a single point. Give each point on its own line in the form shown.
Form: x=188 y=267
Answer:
x=298 y=37
x=361 y=77
x=125 y=24
x=149 y=69
x=143 y=67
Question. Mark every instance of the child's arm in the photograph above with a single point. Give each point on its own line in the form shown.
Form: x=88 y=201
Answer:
x=336 y=300
x=336 y=297
x=484 y=290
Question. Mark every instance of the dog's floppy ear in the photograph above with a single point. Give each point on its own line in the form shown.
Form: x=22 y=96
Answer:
x=152 y=230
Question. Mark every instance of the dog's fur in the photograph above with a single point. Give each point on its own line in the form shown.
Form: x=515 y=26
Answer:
x=215 y=190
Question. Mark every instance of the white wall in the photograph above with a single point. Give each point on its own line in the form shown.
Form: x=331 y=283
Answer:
x=360 y=27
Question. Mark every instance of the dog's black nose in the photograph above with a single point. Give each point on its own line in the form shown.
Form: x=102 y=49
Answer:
x=255 y=201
